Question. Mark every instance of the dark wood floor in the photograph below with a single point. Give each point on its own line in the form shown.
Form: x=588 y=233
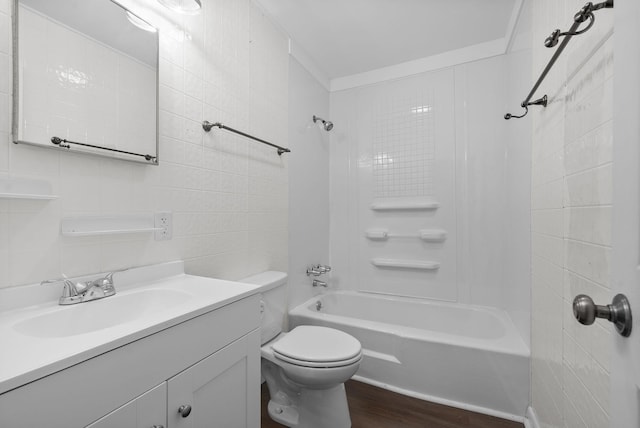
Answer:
x=373 y=407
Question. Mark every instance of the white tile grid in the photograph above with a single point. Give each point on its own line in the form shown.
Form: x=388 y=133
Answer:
x=403 y=146
x=5 y=98
x=571 y=174
x=203 y=179
x=119 y=87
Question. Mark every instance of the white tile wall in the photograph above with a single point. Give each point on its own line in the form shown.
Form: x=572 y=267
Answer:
x=571 y=221
x=403 y=144
x=480 y=177
x=78 y=88
x=395 y=139
x=228 y=195
x=309 y=182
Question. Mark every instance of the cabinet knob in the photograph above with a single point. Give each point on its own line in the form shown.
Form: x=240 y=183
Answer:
x=184 y=411
x=158 y=426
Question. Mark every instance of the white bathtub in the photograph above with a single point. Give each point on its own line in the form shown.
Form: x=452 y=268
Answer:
x=465 y=356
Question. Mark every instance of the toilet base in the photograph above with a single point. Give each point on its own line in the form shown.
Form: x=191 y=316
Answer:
x=283 y=414
x=298 y=407
x=314 y=409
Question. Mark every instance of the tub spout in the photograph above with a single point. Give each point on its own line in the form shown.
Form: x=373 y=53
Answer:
x=317 y=282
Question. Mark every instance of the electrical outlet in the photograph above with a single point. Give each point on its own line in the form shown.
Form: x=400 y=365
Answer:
x=163 y=220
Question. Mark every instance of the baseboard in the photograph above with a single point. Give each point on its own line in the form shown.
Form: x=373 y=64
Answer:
x=444 y=401
x=530 y=419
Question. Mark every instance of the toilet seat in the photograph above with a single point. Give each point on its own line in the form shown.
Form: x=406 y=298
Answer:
x=317 y=347
x=325 y=364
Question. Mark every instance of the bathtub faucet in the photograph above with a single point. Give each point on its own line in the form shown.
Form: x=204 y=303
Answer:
x=318 y=270
x=317 y=282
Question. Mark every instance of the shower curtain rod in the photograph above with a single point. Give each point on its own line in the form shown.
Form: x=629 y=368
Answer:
x=206 y=125
x=585 y=13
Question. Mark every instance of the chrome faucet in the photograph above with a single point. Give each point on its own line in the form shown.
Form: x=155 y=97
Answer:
x=80 y=292
x=318 y=270
x=317 y=282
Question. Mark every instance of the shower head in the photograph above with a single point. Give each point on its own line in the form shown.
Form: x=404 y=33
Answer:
x=327 y=125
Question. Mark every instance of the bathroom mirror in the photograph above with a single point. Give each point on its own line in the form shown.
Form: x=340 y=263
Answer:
x=85 y=79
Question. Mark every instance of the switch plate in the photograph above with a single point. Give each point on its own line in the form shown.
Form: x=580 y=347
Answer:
x=163 y=220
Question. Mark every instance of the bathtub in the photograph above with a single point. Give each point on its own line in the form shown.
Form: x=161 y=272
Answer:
x=465 y=356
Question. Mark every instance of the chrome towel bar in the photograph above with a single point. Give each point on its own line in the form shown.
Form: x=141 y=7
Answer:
x=64 y=143
x=206 y=125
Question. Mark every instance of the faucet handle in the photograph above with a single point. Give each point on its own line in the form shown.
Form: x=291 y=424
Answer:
x=318 y=270
x=107 y=280
x=313 y=270
x=71 y=289
x=106 y=283
x=323 y=268
x=71 y=293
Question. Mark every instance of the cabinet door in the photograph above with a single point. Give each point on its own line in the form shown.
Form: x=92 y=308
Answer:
x=223 y=390
x=146 y=411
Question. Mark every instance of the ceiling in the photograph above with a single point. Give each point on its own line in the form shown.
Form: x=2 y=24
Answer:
x=347 y=37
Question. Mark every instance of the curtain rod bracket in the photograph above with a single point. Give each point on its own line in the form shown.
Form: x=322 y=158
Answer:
x=539 y=102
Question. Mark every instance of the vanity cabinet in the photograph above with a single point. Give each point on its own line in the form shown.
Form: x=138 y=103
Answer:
x=146 y=411
x=216 y=392
x=210 y=363
x=221 y=390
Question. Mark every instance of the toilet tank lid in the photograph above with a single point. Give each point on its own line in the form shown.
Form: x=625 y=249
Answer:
x=266 y=280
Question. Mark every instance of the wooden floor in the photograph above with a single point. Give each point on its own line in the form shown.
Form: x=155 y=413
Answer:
x=373 y=407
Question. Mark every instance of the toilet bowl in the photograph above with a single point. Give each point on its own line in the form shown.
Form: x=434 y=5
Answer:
x=315 y=357
x=305 y=369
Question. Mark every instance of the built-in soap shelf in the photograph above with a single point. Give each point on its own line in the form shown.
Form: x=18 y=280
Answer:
x=405 y=264
x=25 y=188
x=108 y=225
x=427 y=235
x=392 y=204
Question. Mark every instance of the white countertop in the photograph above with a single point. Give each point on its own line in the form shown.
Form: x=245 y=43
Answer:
x=27 y=357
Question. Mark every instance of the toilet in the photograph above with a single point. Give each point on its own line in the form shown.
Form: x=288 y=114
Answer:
x=305 y=369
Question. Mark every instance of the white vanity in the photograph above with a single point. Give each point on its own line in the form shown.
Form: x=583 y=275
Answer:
x=168 y=350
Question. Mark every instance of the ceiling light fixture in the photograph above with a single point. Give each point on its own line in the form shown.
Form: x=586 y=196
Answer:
x=143 y=25
x=187 y=7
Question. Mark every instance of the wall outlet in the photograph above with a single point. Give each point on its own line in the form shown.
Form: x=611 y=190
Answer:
x=163 y=220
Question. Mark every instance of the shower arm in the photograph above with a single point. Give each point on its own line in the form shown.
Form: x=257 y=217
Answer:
x=326 y=124
x=586 y=13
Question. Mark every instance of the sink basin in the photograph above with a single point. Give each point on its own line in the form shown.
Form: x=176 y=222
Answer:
x=96 y=315
x=38 y=337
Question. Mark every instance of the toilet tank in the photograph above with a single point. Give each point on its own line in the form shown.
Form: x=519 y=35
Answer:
x=273 y=302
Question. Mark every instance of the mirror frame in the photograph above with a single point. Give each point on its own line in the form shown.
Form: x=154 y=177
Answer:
x=105 y=152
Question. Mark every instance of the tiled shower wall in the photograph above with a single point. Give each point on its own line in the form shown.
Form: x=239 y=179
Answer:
x=571 y=220
x=439 y=134
x=309 y=181
x=228 y=195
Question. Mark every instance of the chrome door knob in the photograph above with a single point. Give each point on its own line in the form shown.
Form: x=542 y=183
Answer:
x=618 y=312
x=184 y=411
